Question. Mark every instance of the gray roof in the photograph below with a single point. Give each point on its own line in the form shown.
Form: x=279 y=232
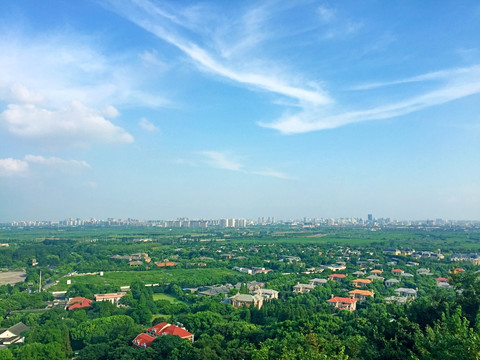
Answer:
x=18 y=328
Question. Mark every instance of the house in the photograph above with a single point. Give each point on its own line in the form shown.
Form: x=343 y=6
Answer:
x=404 y=274
x=78 y=303
x=336 y=267
x=391 y=252
x=375 y=277
x=113 y=297
x=442 y=279
x=397 y=271
x=391 y=282
x=165 y=264
x=143 y=341
x=376 y=272
x=337 y=277
x=343 y=303
x=164 y=328
x=359 y=273
x=399 y=300
x=406 y=292
x=13 y=335
x=267 y=294
x=317 y=282
x=457 y=270
x=215 y=290
x=239 y=300
x=424 y=271
x=361 y=282
x=303 y=288
x=135 y=263
x=361 y=295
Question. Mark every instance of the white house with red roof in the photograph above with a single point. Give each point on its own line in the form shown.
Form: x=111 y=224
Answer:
x=164 y=328
x=343 y=303
x=112 y=297
x=143 y=340
x=79 y=302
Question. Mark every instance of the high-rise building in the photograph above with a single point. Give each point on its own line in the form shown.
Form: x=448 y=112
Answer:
x=370 y=217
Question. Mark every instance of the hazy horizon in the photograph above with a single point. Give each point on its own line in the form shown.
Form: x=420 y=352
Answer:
x=204 y=109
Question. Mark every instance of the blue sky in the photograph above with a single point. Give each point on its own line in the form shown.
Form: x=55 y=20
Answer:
x=156 y=110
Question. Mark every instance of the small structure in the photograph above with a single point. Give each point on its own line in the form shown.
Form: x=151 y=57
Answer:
x=405 y=274
x=215 y=290
x=112 y=297
x=239 y=300
x=424 y=271
x=361 y=295
x=135 y=263
x=376 y=271
x=165 y=264
x=397 y=272
x=78 y=302
x=457 y=270
x=359 y=283
x=13 y=335
x=343 y=303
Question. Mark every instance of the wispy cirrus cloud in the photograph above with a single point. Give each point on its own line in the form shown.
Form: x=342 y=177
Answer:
x=10 y=167
x=272 y=173
x=165 y=25
x=146 y=124
x=220 y=160
x=458 y=83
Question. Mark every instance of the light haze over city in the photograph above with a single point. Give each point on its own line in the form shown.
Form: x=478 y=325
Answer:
x=239 y=109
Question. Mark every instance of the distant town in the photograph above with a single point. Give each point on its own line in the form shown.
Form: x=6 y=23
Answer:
x=306 y=222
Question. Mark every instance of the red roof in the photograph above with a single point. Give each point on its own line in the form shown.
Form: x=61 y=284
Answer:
x=143 y=340
x=79 y=303
x=164 y=328
x=398 y=270
x=441 y=279
x=339 y=299
x=458 y=269
x=338 y=275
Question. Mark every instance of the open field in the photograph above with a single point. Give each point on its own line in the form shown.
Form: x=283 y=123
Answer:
x=162 y=296
x=12 y=277
x=116 y=279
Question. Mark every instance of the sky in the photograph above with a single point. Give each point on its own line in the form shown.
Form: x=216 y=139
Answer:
x=210 y=109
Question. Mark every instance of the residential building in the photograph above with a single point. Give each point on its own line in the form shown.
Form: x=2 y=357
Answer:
x=164 y=328
x=303 y=288
x=343 y=303
x=406 y=292
x=78 y=303
x=397 y=272
x=113 y=297
x=143 y=341
x=337 y=277
x=391 y=282
x=361 y=295
x=239 y=300
x=317 y=282
x=359 y=283
x=267 y=294
x=13 y=335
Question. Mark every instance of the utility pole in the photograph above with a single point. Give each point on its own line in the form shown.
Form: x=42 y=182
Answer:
x=40 y=282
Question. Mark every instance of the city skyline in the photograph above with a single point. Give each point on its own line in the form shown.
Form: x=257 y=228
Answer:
x=159 y=109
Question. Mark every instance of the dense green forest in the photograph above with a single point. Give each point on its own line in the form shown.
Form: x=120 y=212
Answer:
x=440 y=323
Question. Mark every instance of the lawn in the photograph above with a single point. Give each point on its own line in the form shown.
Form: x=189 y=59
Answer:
x=162 y=296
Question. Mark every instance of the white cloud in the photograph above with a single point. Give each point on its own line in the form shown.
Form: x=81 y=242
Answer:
x=220 y=160
x=147 y=125
x=74 y=124
x=272 y=173
x=58 y=69
x=313 y=118
x=326 y=14
x=156 y=20
x=13 y=167
x=57 y=162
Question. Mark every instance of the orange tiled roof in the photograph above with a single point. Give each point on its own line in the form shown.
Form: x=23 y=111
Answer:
x=361 y=292
x=143 y=340
x=337 y=275
x=338 y=299
x=164 y=328
x=79 y=303
x=363 y=281
x=442 y=279
x=398 y=270
x=376 y=271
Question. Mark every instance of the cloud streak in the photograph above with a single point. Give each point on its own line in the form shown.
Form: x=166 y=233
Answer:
x=10 y=167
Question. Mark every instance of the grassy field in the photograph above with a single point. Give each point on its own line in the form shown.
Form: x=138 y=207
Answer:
x=115 y=279
x=162 y=296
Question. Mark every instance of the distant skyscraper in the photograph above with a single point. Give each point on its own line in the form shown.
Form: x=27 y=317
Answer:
x=370 y=217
